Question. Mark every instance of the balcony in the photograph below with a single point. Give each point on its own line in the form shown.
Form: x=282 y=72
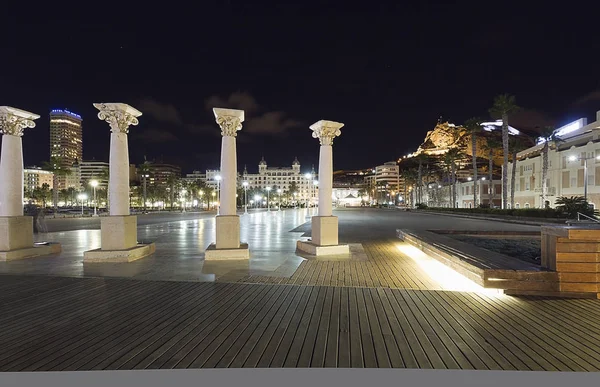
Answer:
x=551 y=190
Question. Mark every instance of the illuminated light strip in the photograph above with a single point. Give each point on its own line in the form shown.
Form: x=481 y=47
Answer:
x=64 y=121
x=448 y=278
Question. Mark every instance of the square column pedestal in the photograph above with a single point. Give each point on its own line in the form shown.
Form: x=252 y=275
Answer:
x=16 y=239
x=119 y=241
x=228 y=244
x=324 y=238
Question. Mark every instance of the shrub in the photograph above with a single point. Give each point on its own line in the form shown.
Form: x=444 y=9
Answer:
x=422 y=206
x=516 y=212
x=574 y=204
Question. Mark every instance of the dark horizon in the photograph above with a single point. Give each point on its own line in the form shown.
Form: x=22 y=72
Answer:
x=387 y=72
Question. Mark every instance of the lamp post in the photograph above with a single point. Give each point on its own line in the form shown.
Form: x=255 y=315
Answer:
x=145 y=176
x=279 y=206
x=213 y=195
x=218 y=179
x=268 y=202
x=585 y=174
x=94 y=184
x=256 y=200
x=308 y=177
x=82 y=197
x=245 y=184
x=183 y=192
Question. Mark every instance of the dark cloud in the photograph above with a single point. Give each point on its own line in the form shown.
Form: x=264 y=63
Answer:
x=238 y=100
x=270 y=123
x=154 y=135
x=529 y=119
x=593 y=96
x=160 y=111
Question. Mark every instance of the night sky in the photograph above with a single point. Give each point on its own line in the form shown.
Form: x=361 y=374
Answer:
x=386 y=70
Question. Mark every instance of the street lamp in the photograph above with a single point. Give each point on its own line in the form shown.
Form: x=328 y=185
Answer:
x=94 y=184
x=585 y=174
x=218 y=179
x=279 y=206
x=308 y=177
x=183 y=192
x=145 y=176
x=256 y=200
x=213 y=195
x=245 y=184
x=268 y=202
x=82 y=197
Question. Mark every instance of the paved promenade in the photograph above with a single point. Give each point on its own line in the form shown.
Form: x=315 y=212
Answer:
x=383 y=308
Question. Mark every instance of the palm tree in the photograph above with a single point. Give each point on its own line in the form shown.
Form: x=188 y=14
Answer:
x=145 y=171
x=473 y=126
x=422 y=159
x=55 y=166
x=410 y=178
x=172 y=182
x=492 y=143
x=548 y=134
x=517 y=144
x=504 y=106
x=450 y=159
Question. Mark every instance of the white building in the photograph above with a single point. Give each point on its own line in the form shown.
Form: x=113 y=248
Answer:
x=34 y=177
x=566 y=164
x=195 y=176
x=385 y=182
x=94 y=170
x=346 y=197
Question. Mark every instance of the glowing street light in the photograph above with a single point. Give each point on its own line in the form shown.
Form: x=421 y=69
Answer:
x=82 y=197
x=183 y=192
x=585 y=175
x=245 y=184
x=257 y=199
x=279 y=206
x=94 y=184
x=268 y=202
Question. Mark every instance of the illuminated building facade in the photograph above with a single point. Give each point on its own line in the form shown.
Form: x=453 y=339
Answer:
x=66 y=140
x=566 y=166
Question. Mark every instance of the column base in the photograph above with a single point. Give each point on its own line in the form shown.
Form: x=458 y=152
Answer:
x=116 y=256
x=30 y=252
x=119 y=241
x=324 y=230
x=309 y=247
x=227 y=232
x=214 y=253
x=16 y=240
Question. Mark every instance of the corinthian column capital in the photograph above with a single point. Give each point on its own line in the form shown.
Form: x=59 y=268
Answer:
x=229 y=120
x=326 y=131
x=118 y=115
x=13 y=120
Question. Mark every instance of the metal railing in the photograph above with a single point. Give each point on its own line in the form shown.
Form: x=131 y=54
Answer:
x=579 y=215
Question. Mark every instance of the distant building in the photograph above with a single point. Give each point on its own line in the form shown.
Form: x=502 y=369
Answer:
x=195 y=176
x=94 y=170
x=566 y=167
x=385 y=184
x=66 y=140
x=160 y=173
x=34 y=177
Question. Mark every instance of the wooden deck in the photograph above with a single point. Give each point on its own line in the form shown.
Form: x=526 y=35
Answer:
x=51 y=323
x=385 y=267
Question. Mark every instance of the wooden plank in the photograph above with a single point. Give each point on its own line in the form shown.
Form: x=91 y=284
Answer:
x=206 y=307
x=38 y=330
x=278 y=355
x=380 y=331
x=357 y=345
x=450 y=340
x=238 y=354
x=43 y=353
x=322 y=332
x=332 y=342
x=428 y=337
x=190 y=350
x=222 y=340
x=304 y=342
x=264 y=351
x=344 y=357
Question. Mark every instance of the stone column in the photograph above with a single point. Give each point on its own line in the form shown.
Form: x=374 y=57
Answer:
x=119 y=230
x=324 y=232
x=228 y=244
x=16 y=230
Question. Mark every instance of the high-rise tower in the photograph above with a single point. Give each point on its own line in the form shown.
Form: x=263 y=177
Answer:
x=66 y=141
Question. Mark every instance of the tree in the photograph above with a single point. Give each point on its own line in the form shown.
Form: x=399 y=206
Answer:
x=450 y=159
x=473 y=126
x=504 y=106
x=172 y=183
x=421 y=159
x=145 y=172
x=410 y=178
x=517 y=144
x=573 y=205
x=55 y=166
x=548 y=134
x=492 y=143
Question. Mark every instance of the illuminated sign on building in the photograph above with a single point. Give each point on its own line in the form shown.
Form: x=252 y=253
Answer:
x=64 y=111
x=566 y=129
